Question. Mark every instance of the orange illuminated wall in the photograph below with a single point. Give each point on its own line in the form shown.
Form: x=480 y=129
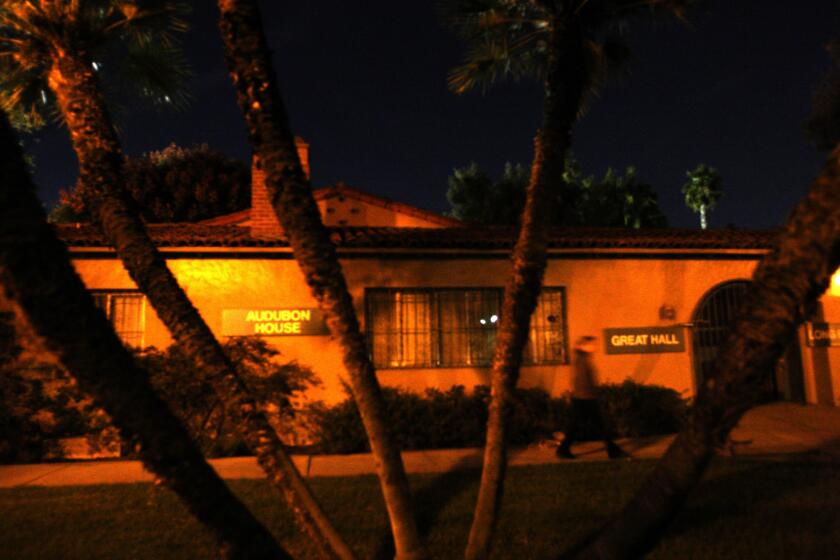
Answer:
x=600 y=293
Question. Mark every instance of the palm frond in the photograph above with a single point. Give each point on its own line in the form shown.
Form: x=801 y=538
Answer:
x=149 y=20
x=509 y=38
x=505 y=39
x=24 y=90
x=492 y=60
x=132 y=42
x=160 y=72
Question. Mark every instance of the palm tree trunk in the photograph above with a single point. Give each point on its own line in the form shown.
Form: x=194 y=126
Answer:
x=786 y=286
x=702 y=217
x=249 y=63
x=51 y=301
x=100 y=170
x=563 y=92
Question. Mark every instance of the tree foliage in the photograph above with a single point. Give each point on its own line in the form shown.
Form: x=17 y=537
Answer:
x=474 y=197
x=40 y=402
x=613 y=201
x=132 y=46
x=174 y=185
x=277 y=387
x=703 y=190
x=30 y=415
x=510 y=39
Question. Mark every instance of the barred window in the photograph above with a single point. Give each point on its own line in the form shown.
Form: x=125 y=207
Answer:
x=125 y=311
x=422 y=327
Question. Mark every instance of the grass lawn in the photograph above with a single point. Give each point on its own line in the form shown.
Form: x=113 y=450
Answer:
x=744 y=509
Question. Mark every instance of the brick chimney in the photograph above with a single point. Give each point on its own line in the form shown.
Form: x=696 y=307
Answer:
x=303 y=154
x=264 y=222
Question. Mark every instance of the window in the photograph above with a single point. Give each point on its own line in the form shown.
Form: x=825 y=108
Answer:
x=125 y=311
x=417 y=327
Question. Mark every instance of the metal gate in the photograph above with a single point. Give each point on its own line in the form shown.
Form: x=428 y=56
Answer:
x=712 y=320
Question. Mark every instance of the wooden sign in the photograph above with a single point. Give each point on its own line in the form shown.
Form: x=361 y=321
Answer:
x=644 y=340
x=822 y=334
x=273 y=322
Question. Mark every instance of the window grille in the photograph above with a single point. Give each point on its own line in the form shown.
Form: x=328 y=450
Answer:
x=125 y=311
x=547 y=337
x=420 y=327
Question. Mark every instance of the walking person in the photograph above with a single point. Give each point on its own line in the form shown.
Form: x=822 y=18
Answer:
x=585 y=407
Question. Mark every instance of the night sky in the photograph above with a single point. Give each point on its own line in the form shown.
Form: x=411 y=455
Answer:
x=365 y=84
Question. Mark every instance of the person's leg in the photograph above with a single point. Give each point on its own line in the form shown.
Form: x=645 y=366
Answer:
x=572 y=428
x=613 y=449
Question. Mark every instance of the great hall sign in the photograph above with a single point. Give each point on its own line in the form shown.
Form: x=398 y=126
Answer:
x=307 y=321
x=644 y=340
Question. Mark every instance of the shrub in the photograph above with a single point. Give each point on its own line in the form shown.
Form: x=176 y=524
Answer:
x=434 y=420
x=454 y=418
x=532 y=416
x=39 y=403
x=277 y=387
x=457 y=419
x=635 y=410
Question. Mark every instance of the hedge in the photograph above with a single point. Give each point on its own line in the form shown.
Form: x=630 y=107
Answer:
x=456 y=418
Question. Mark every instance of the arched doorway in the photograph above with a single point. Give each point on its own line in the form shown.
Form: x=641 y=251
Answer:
x=711 y=320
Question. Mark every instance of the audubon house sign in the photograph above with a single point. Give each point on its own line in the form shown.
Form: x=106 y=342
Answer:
x=306 y=321
x=644 y=340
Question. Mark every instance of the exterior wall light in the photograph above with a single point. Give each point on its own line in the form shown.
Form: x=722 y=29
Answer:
x=667 y=313
x=834 y=287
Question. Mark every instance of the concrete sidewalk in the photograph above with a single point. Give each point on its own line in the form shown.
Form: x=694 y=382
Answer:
x=778 y=430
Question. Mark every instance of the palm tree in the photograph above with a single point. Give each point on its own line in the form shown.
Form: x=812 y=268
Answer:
x=130 y=45
x=702 y=190
x=571 y=45
x=56 y=41
x=249 y=62
x=785 y=289
x=51 y=301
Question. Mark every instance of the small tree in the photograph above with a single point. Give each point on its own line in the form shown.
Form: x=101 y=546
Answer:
x=475 y=198
x=703 y=190
x=22 y=437
x=40 y=401
x=277 y=387
x=174 y=185
x=613 y=201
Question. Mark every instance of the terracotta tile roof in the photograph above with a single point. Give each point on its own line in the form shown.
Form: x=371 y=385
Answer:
x=340 y=189
x=228 y=219
x=488 y=237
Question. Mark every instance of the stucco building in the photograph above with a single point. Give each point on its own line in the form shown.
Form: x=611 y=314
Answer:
x=427 y=290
